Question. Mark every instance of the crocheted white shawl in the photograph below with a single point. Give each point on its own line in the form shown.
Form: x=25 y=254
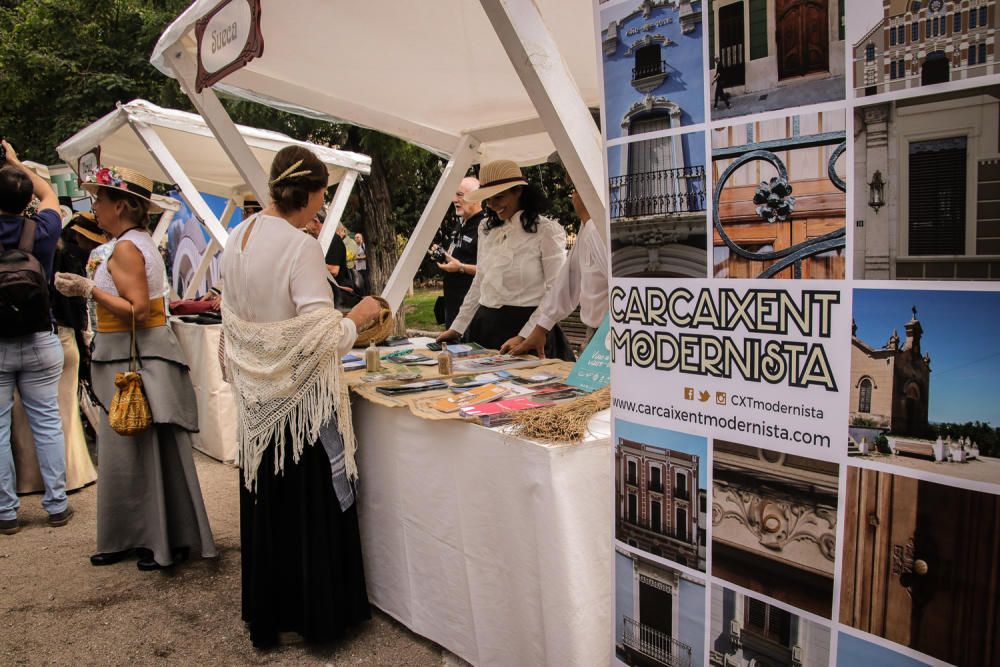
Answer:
x=286 y=377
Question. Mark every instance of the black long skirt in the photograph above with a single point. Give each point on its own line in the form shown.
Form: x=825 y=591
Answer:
x=302 y=566
x=492 y=327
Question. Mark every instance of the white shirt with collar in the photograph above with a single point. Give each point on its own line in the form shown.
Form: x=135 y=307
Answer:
x=514 y=268
x=582 y=281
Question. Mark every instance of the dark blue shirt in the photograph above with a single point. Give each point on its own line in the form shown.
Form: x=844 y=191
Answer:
x=48 y=227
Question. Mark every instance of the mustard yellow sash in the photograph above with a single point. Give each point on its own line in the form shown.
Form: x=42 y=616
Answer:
x=108 y=322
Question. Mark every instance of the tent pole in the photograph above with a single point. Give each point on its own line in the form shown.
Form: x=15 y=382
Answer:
x=189 y=192
x=191 y=291
x=336 y=210
x=221 y=125
x=163 y=224
x=402 y=275
x=546 y=78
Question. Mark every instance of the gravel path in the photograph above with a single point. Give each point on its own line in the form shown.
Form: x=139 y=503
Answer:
x=57 y=609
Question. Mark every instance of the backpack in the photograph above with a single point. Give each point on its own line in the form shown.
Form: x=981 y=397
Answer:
x=24 y=290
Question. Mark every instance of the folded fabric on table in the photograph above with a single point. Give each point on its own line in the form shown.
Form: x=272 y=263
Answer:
x=189 y=307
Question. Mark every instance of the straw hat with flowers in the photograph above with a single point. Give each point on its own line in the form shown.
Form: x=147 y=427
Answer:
x=494 y=178
x=121 y=178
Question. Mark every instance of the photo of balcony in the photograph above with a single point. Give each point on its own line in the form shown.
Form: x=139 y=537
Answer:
x=657 y=199
x=659 y=614
x=660 y=482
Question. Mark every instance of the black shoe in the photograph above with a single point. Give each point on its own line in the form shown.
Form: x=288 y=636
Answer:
x=180 y=554
x=9 y=526
x=61 y=518
x=111 y=558
x=148 y=565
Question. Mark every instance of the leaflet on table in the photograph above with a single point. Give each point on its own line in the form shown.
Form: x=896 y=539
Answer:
x=592 y=370
x=467 y=382
x=352 y=363
x=411 y=387
x=414 y=360
x=498 y=407
x=460 y=350
x=495 y=362
x=484 y=394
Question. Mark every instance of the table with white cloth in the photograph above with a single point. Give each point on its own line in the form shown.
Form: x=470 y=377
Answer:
x=497 y=548
x=216 y=408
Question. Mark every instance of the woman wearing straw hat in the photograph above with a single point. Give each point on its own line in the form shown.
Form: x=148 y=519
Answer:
x=148 y=498
x=299 y=536
x=520 y=254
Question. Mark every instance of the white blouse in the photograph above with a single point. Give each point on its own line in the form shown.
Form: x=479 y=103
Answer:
x=280 y=273
x=583 y=281
x=156 y=272
x=514 y=268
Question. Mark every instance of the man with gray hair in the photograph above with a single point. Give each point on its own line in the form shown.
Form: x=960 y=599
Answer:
x=460 y=248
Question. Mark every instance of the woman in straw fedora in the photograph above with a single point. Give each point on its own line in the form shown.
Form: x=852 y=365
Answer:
x=520 y=254
x=299 y=536
x=148 y=499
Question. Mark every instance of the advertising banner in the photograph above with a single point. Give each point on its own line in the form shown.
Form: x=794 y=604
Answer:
x=804 y=214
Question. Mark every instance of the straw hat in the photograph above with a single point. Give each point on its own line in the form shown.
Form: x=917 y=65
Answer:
x=121 y=178
x=85 y=224
x=494 y=178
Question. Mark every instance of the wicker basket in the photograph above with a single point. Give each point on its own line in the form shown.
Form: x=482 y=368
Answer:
x=380 y=329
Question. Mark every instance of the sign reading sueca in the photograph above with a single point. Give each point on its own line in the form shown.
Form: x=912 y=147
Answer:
x=228 y=38
x=757 y=364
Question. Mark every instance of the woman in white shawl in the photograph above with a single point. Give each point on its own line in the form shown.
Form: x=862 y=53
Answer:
x=301 y=550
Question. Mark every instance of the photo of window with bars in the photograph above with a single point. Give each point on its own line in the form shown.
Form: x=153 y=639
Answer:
x=780 y=197
x=927 y=201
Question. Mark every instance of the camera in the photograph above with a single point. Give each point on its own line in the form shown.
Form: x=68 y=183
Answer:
x=436 y=255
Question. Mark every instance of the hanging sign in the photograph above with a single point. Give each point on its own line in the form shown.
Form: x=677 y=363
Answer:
x=228 y=37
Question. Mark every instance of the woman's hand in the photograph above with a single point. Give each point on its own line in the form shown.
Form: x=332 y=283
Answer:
x=448 y=336
x=70 y=284
x=365 y=312
x=533 y=344
x=511 y=344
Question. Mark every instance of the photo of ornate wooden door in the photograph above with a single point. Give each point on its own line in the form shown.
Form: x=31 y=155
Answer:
x=922 y=566
x=803 y=37
x=732 y=53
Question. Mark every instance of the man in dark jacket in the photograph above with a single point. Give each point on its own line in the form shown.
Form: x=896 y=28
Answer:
x=459 y=245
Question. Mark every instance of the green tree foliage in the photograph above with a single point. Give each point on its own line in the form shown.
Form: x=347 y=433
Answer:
x=66 y=63
x=982 y=433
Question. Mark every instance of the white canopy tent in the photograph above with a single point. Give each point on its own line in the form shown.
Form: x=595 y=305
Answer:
x=178 y=148
x=470 y=80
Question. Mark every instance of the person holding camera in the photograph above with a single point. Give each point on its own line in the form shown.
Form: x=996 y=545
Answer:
x=31 y=355
x=459 y=260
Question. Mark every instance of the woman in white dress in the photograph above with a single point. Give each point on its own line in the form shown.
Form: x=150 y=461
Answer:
x=301 y=549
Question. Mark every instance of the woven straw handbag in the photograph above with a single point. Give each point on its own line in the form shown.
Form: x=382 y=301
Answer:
x=130 y=413
x=380 y=329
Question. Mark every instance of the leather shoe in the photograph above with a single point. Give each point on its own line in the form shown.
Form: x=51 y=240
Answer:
x=9 y=526
x=108 y=558
x=61 y=518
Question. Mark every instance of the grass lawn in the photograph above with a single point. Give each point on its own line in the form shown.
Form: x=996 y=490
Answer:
x=419 y=310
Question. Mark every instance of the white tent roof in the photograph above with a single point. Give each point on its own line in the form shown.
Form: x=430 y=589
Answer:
x=427 y=71
x=190 y=141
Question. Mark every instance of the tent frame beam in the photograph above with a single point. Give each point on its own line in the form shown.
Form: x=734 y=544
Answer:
x=401 y=280
x=550 y=86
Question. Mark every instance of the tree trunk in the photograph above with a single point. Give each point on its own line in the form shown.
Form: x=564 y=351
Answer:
x=378 y=231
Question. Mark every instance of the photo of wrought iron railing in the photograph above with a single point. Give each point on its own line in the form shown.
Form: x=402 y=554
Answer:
x=655 y=645
x=662 y=192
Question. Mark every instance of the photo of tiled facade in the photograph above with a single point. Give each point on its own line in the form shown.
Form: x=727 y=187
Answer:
x=925 y=42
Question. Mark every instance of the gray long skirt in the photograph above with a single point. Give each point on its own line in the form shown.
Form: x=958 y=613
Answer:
x=147 y=486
